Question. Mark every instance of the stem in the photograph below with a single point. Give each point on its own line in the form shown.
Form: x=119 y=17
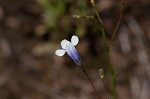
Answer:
x=118 y=23
x=107 y=50
x=84 y=71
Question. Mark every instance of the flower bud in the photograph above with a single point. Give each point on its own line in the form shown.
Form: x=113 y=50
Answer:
x=101 y=73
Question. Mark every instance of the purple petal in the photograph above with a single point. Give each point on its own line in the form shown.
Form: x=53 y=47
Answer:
x=72 y=52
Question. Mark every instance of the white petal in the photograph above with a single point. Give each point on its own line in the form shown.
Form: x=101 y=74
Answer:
x=74 y=40
x=60 y=52
x=64 y=43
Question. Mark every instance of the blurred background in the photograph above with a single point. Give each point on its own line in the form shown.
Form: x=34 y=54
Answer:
x=31 y=31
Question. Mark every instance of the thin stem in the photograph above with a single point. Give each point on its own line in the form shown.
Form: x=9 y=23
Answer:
x=118 y=23
x=84 y=71
x=107 y=50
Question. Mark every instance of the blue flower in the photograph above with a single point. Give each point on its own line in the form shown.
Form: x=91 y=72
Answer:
x=69 y=48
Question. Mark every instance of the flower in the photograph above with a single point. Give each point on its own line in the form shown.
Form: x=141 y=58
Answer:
x=69 y=48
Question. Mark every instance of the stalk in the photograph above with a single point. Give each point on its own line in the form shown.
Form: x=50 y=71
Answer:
x=107 y=50
x=90 y=80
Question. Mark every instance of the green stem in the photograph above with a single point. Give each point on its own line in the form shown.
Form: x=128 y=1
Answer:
x=107 y=51
x=118 y=23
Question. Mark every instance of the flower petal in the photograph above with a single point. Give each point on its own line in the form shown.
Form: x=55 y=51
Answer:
x=60 y=52
x=72 y=52
x=74 y=40
x=64 y=43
